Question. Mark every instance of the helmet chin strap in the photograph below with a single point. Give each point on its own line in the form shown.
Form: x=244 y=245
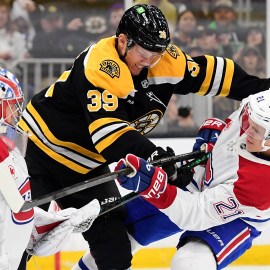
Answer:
x=130 y=44
x=125 y=54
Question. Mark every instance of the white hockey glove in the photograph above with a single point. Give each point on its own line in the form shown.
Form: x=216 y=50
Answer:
x=51 y=230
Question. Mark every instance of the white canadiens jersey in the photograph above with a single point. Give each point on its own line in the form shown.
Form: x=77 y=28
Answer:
x=235 y=184
x=15 y=227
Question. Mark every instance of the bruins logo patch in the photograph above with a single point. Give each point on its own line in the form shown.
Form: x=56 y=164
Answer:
x=147 y=122
x=110 y=67
x=171 y=49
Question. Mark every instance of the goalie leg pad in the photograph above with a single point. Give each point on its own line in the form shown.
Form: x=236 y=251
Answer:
x=78 y=221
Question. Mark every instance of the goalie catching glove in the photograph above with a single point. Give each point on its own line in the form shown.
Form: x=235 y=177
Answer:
x=208 y=134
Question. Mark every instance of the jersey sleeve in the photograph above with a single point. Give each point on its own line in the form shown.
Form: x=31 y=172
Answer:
x=216 y=76
x=202 y=210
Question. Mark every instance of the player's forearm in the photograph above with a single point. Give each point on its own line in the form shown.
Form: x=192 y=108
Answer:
x=195 y=211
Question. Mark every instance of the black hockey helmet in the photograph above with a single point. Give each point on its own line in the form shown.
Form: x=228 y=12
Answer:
x=145 y=25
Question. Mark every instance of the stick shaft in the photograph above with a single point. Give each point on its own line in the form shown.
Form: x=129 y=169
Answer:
x=102 y=179
x=133 y=195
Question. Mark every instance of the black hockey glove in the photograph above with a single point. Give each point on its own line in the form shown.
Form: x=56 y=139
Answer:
x=184 y=177
x=170 y=169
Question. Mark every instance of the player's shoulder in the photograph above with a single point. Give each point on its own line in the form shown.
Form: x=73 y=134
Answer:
x=105 y=70
x=172 y=64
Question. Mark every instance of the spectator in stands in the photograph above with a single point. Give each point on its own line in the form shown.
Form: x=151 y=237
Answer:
x=207 y=40
x=194 y=51
x=22 y=8
x=252 y=61
x=225 y=24
x=12 y=45
x=186 y=118
x=20 y=15
x=201 y=9
x=95 y=26
x=185 y=126
x=50 y=40
x=116 y=12
x=255 y=36
x=186 y=24
x=168 y=9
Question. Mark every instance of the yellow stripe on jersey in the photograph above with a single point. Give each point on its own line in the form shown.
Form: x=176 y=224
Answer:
x=105 y=131
x=112 y=138
x=62 y=78
x=48 y=134
x=225 y=90
x=208 y=76
x=105 y=70
x=104 y=121
x=57 y=157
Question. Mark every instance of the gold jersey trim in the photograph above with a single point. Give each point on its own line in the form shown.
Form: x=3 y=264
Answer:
x=227 y=78
x=57 y=149
x=112 y=138
x=57 y=157
x=62 y=78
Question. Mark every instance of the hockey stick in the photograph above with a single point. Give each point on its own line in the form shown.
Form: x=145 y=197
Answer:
x=52 y=242
x=133 y=195
x=102 y=179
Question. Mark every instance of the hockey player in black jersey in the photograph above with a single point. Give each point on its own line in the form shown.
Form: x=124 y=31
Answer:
x=100 y=109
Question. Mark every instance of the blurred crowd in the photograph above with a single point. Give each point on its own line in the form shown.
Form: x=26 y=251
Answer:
x=62 y=29
x=212 y=27
x=53 y=29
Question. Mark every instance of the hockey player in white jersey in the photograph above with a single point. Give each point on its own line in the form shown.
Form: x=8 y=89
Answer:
x=232 y=205
x=15 y=228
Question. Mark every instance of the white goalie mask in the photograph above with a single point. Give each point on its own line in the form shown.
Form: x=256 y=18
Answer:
x=11 y=105
x=257 y=110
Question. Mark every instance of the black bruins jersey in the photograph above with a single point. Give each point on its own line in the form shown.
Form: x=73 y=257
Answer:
x=96 y=112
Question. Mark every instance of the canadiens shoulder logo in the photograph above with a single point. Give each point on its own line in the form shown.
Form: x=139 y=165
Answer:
x=110 y=67
x=171 y=49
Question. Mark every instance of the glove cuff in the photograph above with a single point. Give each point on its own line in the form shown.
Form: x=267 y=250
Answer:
x=158 y=184
x=165 y=199
x=213 y=123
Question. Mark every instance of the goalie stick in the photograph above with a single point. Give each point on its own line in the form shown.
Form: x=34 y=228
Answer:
x=102 y=179
x=9 y=189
